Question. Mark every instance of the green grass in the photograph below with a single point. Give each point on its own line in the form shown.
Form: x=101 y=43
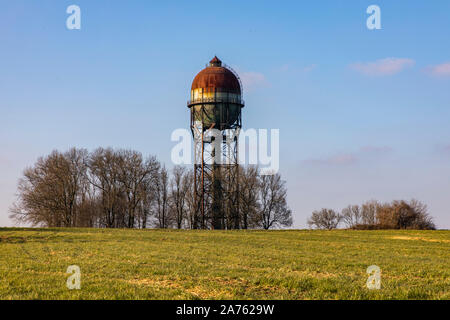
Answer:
x=170 y=264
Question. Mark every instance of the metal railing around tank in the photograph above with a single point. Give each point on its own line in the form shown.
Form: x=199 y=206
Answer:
x=216 y=100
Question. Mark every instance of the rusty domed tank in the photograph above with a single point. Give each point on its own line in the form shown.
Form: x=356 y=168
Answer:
x=216 y=96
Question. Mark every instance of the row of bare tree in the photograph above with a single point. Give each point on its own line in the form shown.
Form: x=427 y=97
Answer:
x=120 y=189
x=398 y=214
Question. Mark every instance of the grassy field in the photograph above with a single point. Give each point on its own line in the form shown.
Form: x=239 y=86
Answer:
x=170 y=264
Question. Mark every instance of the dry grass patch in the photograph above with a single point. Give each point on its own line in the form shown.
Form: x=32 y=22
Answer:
x=419 y=239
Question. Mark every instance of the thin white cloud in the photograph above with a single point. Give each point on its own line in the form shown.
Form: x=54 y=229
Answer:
x=440 y=70
x=376 y=149
x=351 y=158
x=291 y=68
x=310 y=68
x=285 y=67
x=340 y=159
x=443 y=149
x=252 y=80
x=383 y=67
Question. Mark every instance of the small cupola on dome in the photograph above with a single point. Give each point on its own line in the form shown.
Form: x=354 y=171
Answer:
x=215 y=62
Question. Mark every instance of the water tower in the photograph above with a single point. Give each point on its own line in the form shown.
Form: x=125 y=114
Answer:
x=215 y=105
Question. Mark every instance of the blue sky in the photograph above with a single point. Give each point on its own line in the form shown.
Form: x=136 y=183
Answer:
x=363 y=114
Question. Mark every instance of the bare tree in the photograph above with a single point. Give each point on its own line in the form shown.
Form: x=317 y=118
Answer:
x=90 y=209
x=133 y=172
x=149 y=191
x=351 y=215
x=422 y=220
x=249 y=205
x=104 y=169
x=192 y=217
x=273 y=211
x=369 y=212
x=324 y=219
x=398 y=214
x=161 y=206
x=179 y=187
x=49 y=192
x=401 y=214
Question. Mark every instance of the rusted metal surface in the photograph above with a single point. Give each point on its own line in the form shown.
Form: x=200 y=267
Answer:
x=215 y=77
